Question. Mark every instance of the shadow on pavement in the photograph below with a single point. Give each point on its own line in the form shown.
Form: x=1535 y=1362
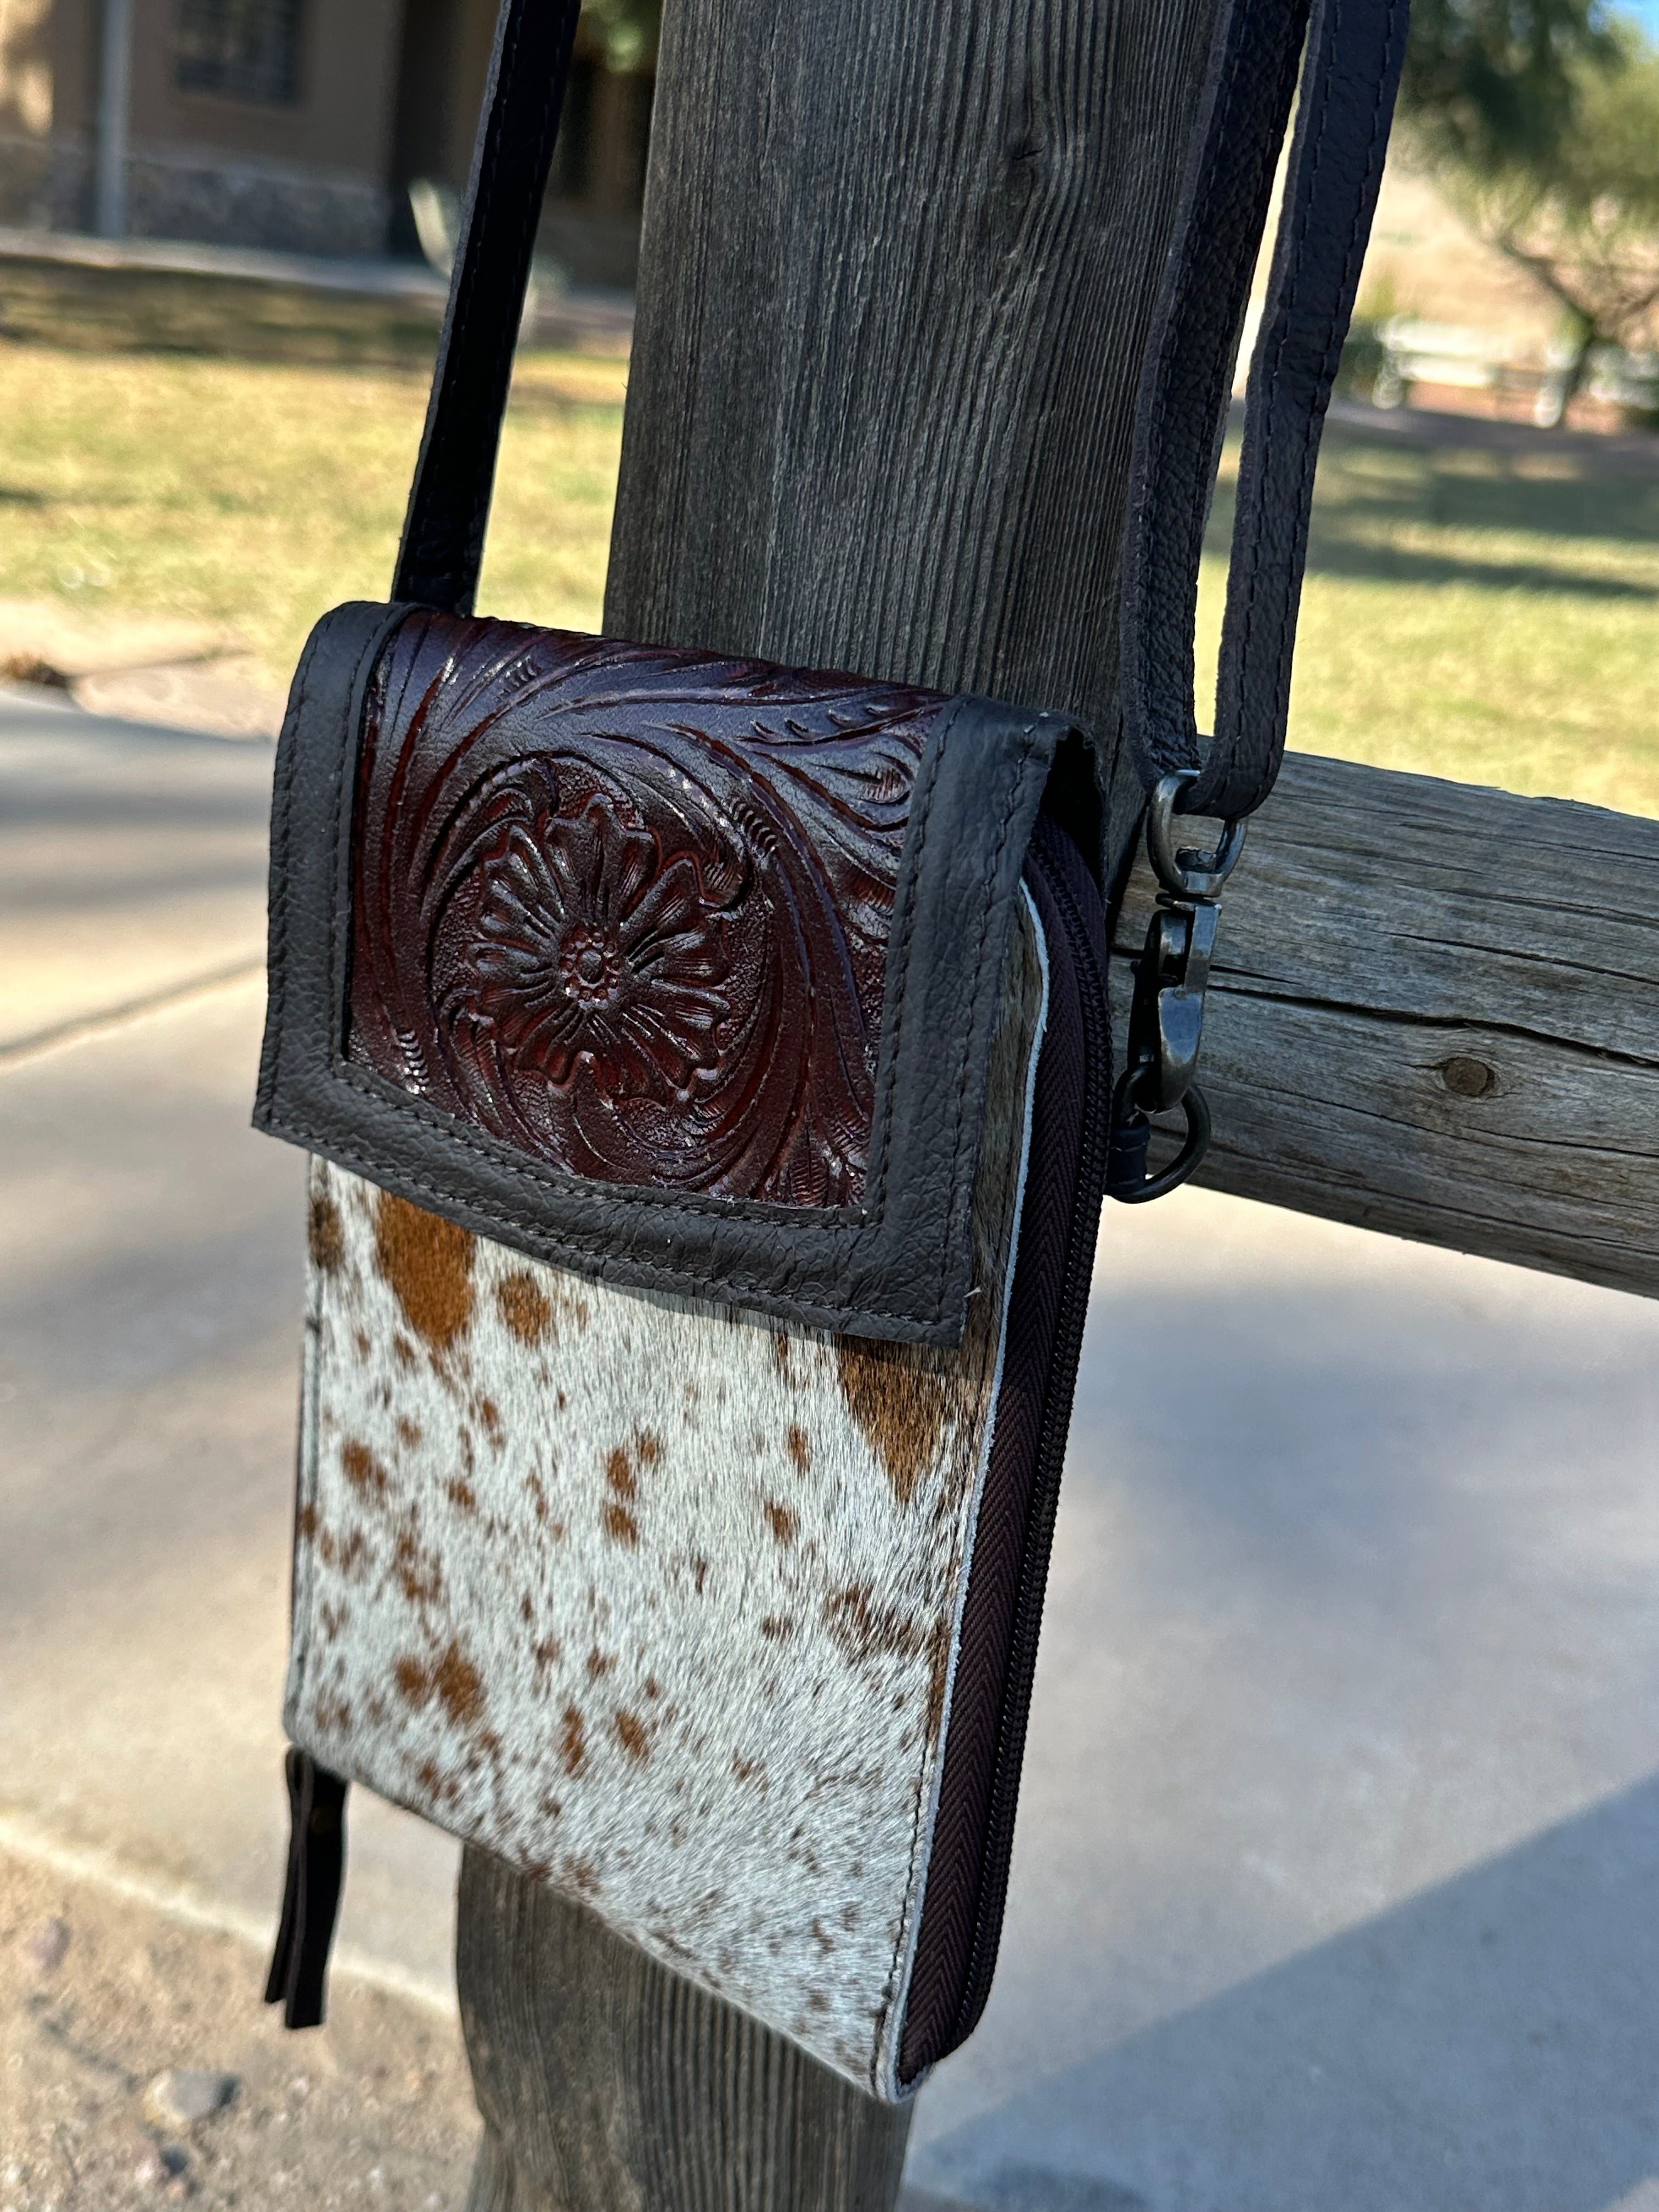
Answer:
x=1336 y=1878
x=1492 y=2046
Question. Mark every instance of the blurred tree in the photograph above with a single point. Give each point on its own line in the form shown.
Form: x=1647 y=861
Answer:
x=625 y=30
x=1491 y=83
x=1581 y=213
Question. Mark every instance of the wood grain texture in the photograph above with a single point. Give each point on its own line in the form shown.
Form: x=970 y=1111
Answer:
x=897 y=269
x=1435 y=1011
x=605 y=2082
x=890 y=326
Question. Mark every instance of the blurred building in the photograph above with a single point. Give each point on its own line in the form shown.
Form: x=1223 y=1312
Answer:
x=297 y=124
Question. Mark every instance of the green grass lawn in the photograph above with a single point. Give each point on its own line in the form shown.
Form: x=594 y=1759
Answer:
x=1484 y=614
x=255 y=495
x=1490 y=616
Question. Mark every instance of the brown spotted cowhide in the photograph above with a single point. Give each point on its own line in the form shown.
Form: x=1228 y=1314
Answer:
x=658 y=1602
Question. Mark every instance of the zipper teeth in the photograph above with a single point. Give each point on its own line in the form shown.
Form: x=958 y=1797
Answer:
x=1051 y=1453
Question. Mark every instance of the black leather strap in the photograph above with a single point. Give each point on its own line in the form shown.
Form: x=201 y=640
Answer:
x=449 y=500
x=311 y=1894
x=1355 y=48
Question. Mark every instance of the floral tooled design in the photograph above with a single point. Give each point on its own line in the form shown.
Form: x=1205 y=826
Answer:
x=627 y=910
x=589 y=945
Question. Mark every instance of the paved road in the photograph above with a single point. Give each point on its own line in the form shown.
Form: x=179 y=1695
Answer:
x=1337 y=1885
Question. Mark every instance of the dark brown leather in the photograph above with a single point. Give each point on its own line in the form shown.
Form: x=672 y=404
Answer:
x=638 y=927
x=907 y=818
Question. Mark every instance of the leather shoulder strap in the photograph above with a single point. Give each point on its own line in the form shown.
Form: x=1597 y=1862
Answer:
x=449 y=500
x=1353 y=65
x=1349 y=76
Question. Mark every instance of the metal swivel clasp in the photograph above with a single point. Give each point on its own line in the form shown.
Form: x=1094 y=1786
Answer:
x=1166 y=1020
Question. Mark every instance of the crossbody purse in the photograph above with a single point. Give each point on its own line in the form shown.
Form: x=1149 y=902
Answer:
x=706 y=1071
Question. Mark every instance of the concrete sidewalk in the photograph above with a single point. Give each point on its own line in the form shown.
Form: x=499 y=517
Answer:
x=587 y=317
x=131 y=865
x=1337 y=1883
x=150 y=1273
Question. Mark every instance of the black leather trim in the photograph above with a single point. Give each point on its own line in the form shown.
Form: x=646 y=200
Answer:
x=972 y=1841
x=298 y=1980
x=897 y=1266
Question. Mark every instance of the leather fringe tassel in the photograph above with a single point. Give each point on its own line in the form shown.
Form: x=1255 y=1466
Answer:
x=311 y=1896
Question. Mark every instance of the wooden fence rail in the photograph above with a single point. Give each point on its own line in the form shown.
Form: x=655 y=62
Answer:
x=1436 y=1011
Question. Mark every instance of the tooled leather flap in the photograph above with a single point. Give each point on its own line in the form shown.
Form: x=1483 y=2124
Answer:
x=677 y=970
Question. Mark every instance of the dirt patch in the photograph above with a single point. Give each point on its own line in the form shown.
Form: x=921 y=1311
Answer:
x=98 y=1996
x=30 y=668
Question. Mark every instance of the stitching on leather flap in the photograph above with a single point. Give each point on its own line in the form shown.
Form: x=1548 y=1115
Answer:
x=894 y=1260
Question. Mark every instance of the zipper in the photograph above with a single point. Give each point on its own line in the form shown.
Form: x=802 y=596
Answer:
x=1088 y=953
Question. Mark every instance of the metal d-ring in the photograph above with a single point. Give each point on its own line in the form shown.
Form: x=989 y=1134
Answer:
x=1186 y=873
x=1136 y=1191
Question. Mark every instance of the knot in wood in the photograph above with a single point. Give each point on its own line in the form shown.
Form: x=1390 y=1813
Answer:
x=1467 y=1077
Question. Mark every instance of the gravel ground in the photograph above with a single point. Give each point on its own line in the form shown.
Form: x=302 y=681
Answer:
x=99 y=1996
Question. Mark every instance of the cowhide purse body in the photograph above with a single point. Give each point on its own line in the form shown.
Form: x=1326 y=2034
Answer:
x=706 y=1071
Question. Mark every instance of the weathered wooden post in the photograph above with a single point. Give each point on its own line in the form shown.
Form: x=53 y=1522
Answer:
x=897 y=269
